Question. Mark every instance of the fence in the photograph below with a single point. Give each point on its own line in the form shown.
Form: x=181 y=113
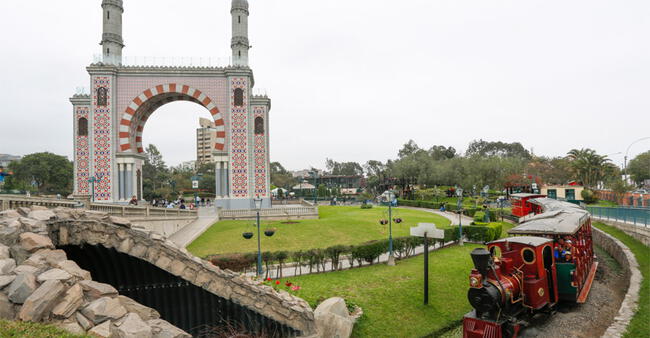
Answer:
x=286 y=212
x=8 y=202
x=637 y=216
x=133 y=211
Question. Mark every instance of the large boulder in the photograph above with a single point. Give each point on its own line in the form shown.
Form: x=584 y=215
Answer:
x=9 y=214
x=83 y=321
x=41 y=215
x=7 y=265
x=23 y=286
x=4 y=251
x=6 y=308
x=333 y=319
x=121 y=221
x=163 y=329
x=71 y=326
x=102 y=309
x=145 y=313
x=6 y=280
x=72 y=300
x=54 y=274
x=131 y=326
x=39 y=303
x=33 y=242
x=96 y=290
x=72 y=268
x=102 y=330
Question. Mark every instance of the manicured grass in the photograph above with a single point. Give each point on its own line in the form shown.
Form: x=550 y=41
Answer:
x=337 y=225
x=32 y=330
x=603 y=203
x=641 y=321
x=392 y=297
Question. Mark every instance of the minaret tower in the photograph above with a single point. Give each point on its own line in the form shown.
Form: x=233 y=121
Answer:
x=239 y=42
x=112 y=43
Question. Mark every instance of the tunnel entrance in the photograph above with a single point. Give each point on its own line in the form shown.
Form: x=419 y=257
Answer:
x=189 y=307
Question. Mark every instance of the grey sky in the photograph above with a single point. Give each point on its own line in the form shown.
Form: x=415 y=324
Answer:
x=353 y=80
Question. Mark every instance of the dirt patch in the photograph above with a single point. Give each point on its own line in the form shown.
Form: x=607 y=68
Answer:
x=592 y=318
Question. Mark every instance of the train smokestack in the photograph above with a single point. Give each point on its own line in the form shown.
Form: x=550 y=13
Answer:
x=482 y=261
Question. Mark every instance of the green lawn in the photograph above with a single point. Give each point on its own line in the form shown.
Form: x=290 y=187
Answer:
x=32 y=330
x=337 y=225
x=391 y=297
x=641 y=321
x=603 y=203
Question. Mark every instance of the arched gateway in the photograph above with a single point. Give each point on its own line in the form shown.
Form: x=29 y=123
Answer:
x=108 y=123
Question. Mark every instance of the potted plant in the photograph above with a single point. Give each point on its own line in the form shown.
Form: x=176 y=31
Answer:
x=247 y=235
x=397 y=220
x=269 y=232
x=383 y=221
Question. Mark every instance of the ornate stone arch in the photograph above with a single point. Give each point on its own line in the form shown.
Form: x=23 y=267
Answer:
x=141 y=107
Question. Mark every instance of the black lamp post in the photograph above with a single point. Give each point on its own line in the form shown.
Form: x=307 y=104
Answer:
x=92 y=181
x=249 y=235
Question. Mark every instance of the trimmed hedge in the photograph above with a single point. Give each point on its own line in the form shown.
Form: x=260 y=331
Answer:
x=494 y=213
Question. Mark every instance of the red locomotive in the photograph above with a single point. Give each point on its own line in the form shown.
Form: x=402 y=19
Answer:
x=550 y=260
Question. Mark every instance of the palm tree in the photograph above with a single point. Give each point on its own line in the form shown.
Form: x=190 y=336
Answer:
x=589 y=167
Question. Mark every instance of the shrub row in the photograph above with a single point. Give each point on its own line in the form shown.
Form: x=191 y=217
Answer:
x=494 y=213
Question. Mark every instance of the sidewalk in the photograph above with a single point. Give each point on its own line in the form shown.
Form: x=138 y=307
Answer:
x=451 y=216
x=185 y=236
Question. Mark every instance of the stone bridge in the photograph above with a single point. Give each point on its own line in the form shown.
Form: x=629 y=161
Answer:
x=188 y=292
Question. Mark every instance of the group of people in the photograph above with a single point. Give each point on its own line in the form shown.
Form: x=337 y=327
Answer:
x=564 y=250
x=181 y=203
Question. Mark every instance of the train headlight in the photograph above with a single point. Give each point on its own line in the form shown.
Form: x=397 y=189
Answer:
x=475 y=282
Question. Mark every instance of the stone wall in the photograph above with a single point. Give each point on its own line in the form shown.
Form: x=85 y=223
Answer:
x=640 y=232
x=76 y=227
x=625 y=257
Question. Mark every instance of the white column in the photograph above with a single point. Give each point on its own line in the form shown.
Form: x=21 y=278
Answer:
x=129 y=180
x=121 y=183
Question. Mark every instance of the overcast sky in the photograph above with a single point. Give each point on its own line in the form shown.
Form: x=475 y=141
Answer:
x=353 y=80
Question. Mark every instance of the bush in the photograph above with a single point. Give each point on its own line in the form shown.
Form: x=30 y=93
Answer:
x=370 y=251
x=334 y=254
x=479 y=232
x=479 y=216
x=235 y=262
x=366 y=206
x=588 y=196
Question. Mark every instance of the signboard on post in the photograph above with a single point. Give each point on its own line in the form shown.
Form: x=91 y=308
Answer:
x=195 y=184
x=427 y=230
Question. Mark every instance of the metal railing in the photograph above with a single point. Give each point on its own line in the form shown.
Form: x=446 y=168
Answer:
x=637 y=216
x=273 y=212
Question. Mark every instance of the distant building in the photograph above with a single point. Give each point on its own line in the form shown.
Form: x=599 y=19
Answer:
x=188 y=165
x=569 y=192
x=206 y=137
x=5 y=159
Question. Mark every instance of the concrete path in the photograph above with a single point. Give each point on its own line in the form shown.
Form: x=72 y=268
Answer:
x=185 y=236
x=451 y=216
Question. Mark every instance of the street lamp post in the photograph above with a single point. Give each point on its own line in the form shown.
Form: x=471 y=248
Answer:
x=459 y=193
x=391 y=257
x=92 y=181
x=258 y=207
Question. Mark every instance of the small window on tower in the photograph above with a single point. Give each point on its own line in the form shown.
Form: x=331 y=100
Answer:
x=239 y=52
x=102 y=96
x=239 y=97
x=259 y=125
x=108 y=51
x=239 y=19
x=108 y=15
x=82 y=127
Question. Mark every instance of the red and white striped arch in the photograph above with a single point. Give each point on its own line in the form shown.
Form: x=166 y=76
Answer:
x=134 y=117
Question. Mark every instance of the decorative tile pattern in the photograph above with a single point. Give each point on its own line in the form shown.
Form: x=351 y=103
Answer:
x=238 y=141
x=141 y=107
x=259 y=155
x=82 y=153
x=102 y=128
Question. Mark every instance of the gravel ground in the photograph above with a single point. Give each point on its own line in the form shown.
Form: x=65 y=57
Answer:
x=590 y=319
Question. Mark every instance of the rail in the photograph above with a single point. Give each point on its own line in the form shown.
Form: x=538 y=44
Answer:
x=8 y=202
x=288 y=211
x=134 y=211
x=636 y=216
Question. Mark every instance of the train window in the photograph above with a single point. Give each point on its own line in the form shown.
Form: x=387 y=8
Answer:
x=495 y=251
x=528 y=255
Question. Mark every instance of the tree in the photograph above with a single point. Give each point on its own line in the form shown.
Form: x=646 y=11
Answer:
x=442 y=152
x=639 y=168
x=501 y=149
x=280 y=177
x=155 y=175
x=344 y=168
x=47 y=173
x=588 y=167
x=620 y=188
x=408 y=148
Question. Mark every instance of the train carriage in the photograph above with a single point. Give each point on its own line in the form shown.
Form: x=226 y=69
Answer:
x=549 y=259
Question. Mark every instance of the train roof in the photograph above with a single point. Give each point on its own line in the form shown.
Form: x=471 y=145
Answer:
x=529 y=240
x=558 y=218
x=524 y=195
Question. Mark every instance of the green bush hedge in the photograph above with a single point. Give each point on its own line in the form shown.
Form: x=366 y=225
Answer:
x=494 y=213
x=479 y=232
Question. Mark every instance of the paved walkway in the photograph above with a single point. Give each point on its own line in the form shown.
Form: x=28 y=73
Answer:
x=185 y=236
x=451 y=216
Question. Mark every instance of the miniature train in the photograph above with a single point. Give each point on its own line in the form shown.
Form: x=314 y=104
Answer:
x=549 y=259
